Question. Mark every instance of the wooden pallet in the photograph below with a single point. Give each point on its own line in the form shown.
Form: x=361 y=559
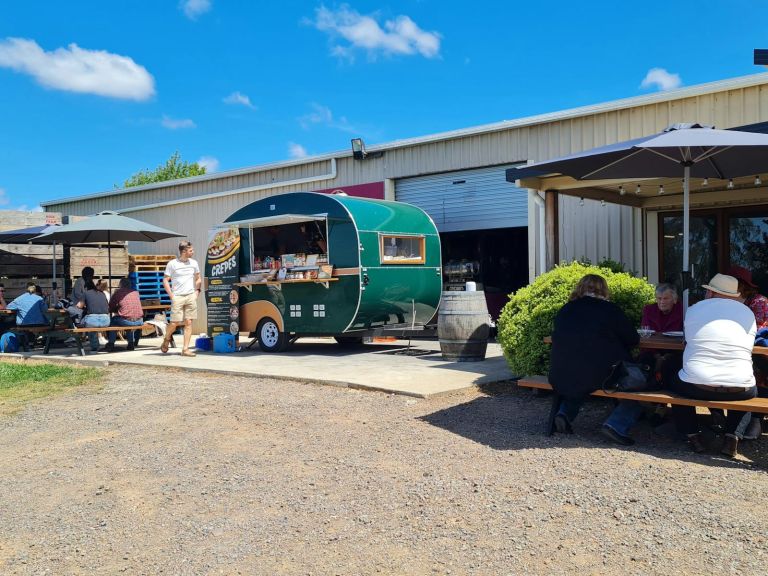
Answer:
x=149 y=262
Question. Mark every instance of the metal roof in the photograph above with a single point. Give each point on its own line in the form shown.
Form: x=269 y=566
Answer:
x=657 y=97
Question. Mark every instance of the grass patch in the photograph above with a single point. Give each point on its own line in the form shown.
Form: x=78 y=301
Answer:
x=23 y=381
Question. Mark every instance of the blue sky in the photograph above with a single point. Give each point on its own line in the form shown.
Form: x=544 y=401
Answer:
x=93 y=91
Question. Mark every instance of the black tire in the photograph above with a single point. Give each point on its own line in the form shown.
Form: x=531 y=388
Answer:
x=269 y=335
x=349 y=340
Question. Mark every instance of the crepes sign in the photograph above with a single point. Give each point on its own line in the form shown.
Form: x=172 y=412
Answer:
x=222 y=271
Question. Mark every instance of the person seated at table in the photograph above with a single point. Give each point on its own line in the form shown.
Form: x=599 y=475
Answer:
x=95 y=312
x=78 y=293
x=717 y=360
x=666 y=315
x=759 y=306
x=30 y=311
x=751 y=297
x=103 y=287
x=3 y=303
x=30 y=308
x=125 y=306
x=590 y=335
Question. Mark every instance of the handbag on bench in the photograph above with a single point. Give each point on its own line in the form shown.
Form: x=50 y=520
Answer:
x=630 y=377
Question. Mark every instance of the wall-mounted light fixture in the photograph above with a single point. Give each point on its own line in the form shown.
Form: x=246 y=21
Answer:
x=360 y=153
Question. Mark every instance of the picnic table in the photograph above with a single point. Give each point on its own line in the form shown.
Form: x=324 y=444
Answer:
x=654 y=342
x=660 y=342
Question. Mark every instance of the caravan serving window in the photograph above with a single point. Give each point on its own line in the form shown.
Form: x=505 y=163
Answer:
x=397 y=249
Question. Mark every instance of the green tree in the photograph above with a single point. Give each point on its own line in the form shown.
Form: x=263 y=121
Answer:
x=173 y=169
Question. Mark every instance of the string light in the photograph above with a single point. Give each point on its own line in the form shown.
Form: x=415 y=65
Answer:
x=730 y=184
x=602 y=203
x=581 y=201
x=622 y=191
x=637 y=190
x=661 y=189
x=757 y=180
x=705 y=182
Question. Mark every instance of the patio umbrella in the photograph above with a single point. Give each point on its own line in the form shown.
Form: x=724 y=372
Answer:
x=108 y=227
x=29 y=236
x=687 y=150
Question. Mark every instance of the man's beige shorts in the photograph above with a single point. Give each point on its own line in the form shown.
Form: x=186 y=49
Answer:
x=184 y=307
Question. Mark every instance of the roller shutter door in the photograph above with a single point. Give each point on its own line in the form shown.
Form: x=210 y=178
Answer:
x=477 y=199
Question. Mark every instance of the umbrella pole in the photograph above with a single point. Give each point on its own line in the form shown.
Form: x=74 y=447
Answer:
x=109 y=260
x=686 y=230
x=54 y=296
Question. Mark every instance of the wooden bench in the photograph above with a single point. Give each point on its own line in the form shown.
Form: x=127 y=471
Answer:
x=759 y=405
x=80 y=333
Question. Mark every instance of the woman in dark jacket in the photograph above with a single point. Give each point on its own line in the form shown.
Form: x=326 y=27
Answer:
x=591 y=334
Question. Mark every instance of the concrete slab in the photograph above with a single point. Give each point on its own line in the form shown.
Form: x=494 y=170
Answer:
x=388 y=367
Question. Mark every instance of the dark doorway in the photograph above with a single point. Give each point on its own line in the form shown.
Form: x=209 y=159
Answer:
x=502 y=255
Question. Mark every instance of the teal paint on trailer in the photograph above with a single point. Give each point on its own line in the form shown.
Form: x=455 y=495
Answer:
x=367 y=294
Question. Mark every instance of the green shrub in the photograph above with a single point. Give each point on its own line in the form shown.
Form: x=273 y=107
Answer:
x=529 y=315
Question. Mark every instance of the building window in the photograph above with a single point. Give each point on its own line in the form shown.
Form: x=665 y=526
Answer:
x=401 y=249
x=720 y=238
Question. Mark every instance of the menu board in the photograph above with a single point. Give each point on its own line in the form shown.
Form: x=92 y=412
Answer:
x=222 y=271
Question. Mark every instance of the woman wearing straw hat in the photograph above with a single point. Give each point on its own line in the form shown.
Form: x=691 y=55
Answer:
x=717 y=360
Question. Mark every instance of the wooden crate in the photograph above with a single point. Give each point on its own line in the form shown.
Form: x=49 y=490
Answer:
x=97 y=258
x=149 y=262
x=13 y=219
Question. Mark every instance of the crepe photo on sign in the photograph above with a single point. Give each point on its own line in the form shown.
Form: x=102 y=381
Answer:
x=222 y=244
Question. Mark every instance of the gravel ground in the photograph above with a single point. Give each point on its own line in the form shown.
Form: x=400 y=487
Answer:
x=166 y=472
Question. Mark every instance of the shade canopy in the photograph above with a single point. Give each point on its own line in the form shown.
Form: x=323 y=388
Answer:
x=709 y=153
x=681 y=151
x=28 y=235
x=108 y=227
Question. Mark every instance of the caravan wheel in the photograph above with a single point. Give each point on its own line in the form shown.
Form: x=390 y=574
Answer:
x=269 y=335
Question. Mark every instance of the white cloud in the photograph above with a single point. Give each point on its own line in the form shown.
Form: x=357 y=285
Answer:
x=322 y=115
x=194 y=8
x=176 y=124
x=297 y=150
x=5 y=202
x=211 y=164
x=399 y=36
x=75 y=69
x=239 y=98
x=661 y=79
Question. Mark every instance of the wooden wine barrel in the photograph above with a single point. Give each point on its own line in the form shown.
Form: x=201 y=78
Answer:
x=462 y=326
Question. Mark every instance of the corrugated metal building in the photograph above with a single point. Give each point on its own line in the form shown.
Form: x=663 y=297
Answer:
x=458 y=178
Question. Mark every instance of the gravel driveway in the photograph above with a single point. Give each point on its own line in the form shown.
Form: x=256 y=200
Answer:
x=166 y=472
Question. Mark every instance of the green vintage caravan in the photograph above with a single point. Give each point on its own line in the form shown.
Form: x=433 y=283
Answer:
x=330 y=264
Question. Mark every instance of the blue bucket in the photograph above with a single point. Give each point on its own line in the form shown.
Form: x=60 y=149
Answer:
x=203 y=343
x=223 y=343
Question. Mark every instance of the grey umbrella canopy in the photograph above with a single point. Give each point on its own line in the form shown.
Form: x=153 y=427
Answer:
x=107 y=227
x=681 y=150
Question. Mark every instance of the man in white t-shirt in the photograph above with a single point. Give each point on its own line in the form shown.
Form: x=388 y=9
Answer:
x=717 y=361
x=182 y=283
